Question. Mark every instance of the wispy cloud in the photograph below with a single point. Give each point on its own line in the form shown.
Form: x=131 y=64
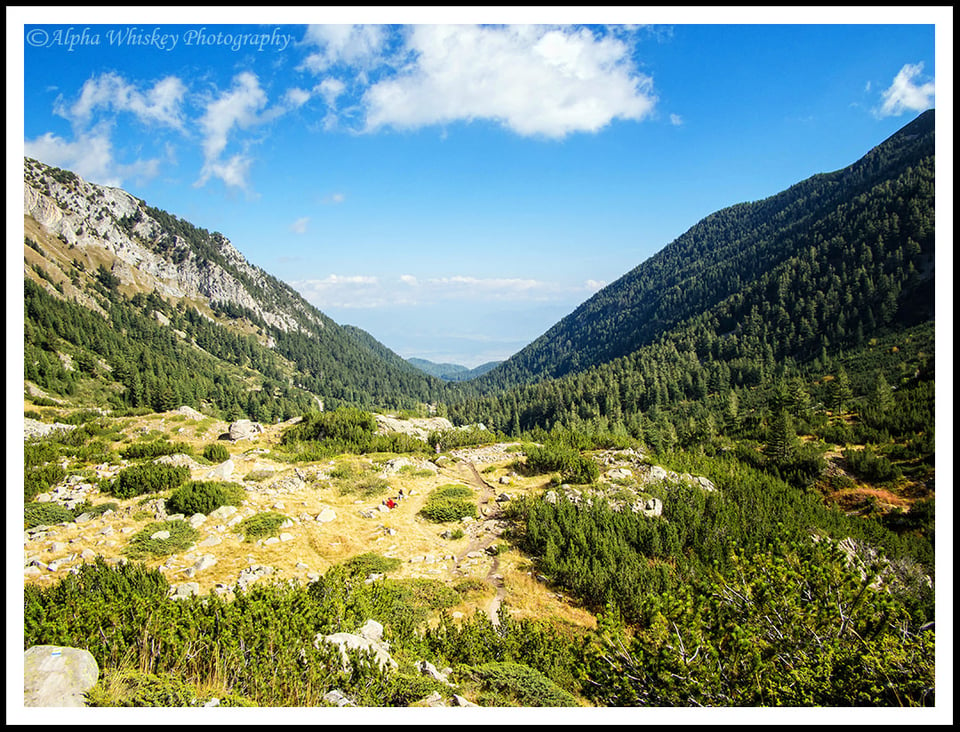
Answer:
x=365 y=291
x=300 y=225
x=356 y=45
x=90 y=156
x=237 y=107
x=907 y=93
x=161 y=104
x=676 y=120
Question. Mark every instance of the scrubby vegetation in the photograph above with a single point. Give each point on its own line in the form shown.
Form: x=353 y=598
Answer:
x=448 y=503
x=161 y=538
x=138 y=480
x=198 y=496
x=261 y=525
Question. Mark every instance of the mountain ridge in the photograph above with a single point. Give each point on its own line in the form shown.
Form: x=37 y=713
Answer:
x=103 y=247
x=736 y=244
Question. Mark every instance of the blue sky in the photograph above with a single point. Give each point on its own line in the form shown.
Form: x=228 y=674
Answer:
x=457 y=189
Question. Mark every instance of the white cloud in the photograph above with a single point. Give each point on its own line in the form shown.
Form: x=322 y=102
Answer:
x=296 y=97
x=356 y=45
x=160 y=104
x=238 y=107
x=905 y=94
x=365 y=291
x=90 y=156
x=330 y=89
x=300 y=225
x=676 y=120
x=534 y=80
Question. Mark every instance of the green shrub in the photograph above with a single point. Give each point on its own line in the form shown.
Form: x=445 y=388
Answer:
x=45 y=514
x=421 y=592
x=870 y=466
x=261 y=525
x=138 y=480
x=366 y=488
x=155 y=449
x=203 y=497
x=441 y=509
x=456 y=534
x=143 y=546
x=406 y=689
x=364 y=565
x=216 y=453
x=39 y=479
x=572 y=466
x=513 y=684
x=471 y=584
x=452 y=490
x=131 y=688
x=95 y=510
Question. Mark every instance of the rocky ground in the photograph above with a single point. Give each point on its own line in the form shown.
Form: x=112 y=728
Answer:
x=326 y=522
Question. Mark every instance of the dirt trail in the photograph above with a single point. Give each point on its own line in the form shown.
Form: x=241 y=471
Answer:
x=484 y=533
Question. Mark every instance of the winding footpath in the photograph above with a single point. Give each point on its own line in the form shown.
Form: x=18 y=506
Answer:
x=486 y=533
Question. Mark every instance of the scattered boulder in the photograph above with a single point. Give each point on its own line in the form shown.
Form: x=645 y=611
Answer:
x=223 y=512
x=204 y=562
x=369 y=638
x=223 y=471
x=189 y=412
x=244 y=429
x=326 y=515
x=184 y=590
x=57 y=676
x=335 y=696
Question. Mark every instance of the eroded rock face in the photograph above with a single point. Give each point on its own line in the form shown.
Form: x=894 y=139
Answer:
x=57 y=676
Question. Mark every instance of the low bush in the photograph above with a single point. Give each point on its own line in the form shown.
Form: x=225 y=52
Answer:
x=261 y=525
x=45 y=514
x=143 y=545
x=513 y=684
x=367 y=488
x=452 y=490
x=216 y=453
x=441 y=509
x=138 y=480
x=420 y=592
x=572 y=466
x=371 y=563
x=155 y=449
x=39 y=479
x=203 y=497
x=471 y=584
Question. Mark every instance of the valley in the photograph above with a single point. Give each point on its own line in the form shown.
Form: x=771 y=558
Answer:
x=712 y=484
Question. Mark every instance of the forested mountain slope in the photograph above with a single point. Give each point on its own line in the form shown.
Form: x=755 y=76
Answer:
x=149 y=310
x=870 y=225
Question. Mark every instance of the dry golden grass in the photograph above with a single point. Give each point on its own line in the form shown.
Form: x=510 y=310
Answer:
x=314 y=546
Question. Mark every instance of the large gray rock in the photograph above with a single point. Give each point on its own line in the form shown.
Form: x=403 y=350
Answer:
x=368 y=639
x=57 y=676
x=223 y=471
x=244 y=429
